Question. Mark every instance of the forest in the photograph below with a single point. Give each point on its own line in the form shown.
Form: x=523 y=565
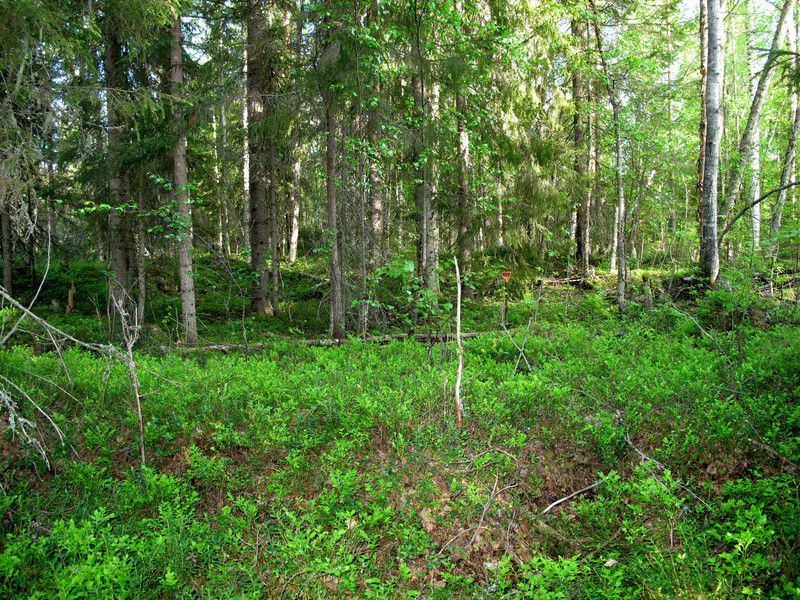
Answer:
x=399 y=299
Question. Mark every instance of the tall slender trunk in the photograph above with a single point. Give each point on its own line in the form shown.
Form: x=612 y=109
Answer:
x=33 y=212
x=116 y=81
x=218 y=180
x=337 y=297
x=596 y=209
x=581 y=165
x=223 y=122
x=501 y=242
x=270 y=107
x=294 y=216
x=426 y=250
x=464 y=197
x=790 y=157
x=376 y=181
x=621 y=216
x=185 y=242
x=754 y=181
x=747 y=141
x=622 y=272
x=294 y=235
x=5 y=231
x=221 y=172
x=141 y=250
x=703 y=126
x=257 y=64
x=432 y=260
x=713 y=108
x=246 y=144
x=274 y=231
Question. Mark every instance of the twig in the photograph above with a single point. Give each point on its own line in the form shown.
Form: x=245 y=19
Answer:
x=521 y=349
x=293 y=577
x=130 y=332
x=35 y=296
x=483 y=513
x=572 y=495
x=769 y=450
x=645 y=458
x=484 y=453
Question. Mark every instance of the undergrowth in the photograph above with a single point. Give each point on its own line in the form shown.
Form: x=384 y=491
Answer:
x=312 y=472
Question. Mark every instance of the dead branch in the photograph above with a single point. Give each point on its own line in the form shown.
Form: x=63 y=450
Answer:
x=769 y=450
x=571 y=496
x=750 y=205
x=460 y=373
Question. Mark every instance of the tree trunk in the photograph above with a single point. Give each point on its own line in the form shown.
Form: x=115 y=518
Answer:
x=270 y=108
x=747 y=141
x=246 y=143
x=221 y=167
x=337 y=297
x=217 y=170
x=141 y=250
x=272 y=203
x=185 y=242
x=702 y=129
x=294 y=235
x=464 y=197
x=5 y=231
x=501 y=242
x=582 y=151
x=426 y=250
x=754 y=182
x=377 y=184
x=620 y=217
x=33 y=212
x=116 y=82
x=622 y=272
x=789 y=158
x=294 y=216
x=257 y=62
x=709 y=256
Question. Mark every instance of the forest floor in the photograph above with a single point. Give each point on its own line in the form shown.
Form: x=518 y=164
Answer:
x=670 y=436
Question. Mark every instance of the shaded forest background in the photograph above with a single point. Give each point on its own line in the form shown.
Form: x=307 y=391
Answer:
x=176 y=143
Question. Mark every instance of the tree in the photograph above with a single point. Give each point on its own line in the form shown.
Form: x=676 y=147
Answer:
x=184 y=207
x=754 y=183
x=327 y=63
x=294 y=216
x=261 y=155
x=119 y=236
x=747 y=141
x=709 y=250
x=421 y=158
x=621 y=215
x=789 y=157
x=8 y=265
x=582 y=154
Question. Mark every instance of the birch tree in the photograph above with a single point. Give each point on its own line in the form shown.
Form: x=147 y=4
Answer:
x=709 y=250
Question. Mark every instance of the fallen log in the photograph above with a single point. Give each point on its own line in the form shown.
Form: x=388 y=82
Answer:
x=434 y=338
x=575 y=280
